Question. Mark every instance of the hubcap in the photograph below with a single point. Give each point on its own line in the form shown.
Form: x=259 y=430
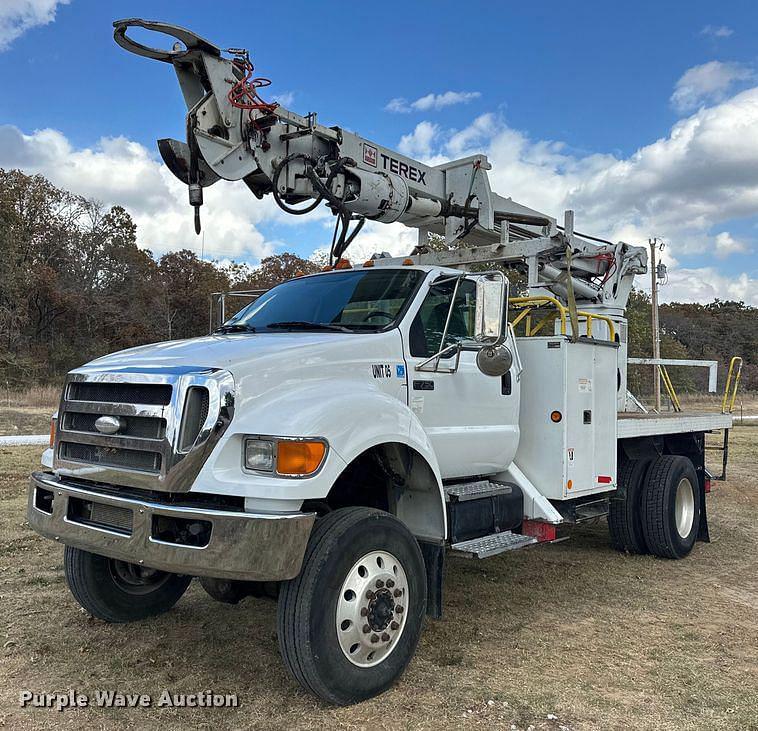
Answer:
x=134 y=579
x=372 y=608
x=684 y=507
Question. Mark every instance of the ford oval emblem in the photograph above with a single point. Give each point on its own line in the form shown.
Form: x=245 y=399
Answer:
x=109 y=424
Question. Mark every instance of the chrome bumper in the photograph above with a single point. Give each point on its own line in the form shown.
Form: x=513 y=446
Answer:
x=244 y=546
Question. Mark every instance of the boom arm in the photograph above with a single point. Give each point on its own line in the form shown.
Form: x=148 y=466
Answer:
x=233 y=134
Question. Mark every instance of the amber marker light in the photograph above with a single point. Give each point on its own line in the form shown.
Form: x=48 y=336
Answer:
x=299 y=457
x=53 y=429
x=556 y=416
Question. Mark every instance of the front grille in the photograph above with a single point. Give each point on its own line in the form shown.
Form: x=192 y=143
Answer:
x=156 y=394
x=155 y=430
x=140 y=427
x=194 y=415
x=132 y=459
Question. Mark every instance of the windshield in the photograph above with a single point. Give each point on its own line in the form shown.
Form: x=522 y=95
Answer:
x=347 y=301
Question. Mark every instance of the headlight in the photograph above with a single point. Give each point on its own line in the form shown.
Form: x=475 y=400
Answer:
x=285 y=456
x=259 y=455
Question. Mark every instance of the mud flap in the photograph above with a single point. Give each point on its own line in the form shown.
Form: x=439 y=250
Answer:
x=434 y=561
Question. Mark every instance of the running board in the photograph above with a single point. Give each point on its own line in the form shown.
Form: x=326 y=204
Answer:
x=462 y=491
x=493 y=545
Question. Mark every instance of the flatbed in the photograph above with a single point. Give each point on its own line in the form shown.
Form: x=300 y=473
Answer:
x=634 y=424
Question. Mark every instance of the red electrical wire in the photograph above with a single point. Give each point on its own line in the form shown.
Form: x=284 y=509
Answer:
x=244 y=92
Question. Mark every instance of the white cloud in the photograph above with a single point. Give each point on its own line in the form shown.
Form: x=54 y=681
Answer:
x=431 y=102
x=123 y=172
x=18 y=16
x=726 y=244
x=681 y=187
x=706 y=284
x=709 y=82
x=419 y=143
x=716 y=31
x=286 y=98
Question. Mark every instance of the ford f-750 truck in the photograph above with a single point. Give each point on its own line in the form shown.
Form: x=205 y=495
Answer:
x=335 y=438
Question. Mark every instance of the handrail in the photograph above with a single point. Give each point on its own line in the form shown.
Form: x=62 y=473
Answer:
x=528 y=304
x=669 y=388
x=543 y=299
x=736 y=362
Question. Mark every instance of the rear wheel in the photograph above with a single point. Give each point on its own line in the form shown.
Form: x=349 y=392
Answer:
x=625 y=511
x=117 y=591
x=671 y=507
x=349 y=623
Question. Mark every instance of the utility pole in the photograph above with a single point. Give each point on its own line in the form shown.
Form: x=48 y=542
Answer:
x=656 y=329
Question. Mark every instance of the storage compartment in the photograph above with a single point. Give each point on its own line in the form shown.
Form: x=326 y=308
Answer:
x=568 y=415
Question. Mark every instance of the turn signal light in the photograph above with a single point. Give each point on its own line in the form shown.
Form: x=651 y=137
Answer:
x=556 y=416
x=299 y=458
x=53 y=429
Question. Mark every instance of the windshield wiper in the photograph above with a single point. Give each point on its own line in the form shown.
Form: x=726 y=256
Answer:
x=234 y=327
x=303 y=325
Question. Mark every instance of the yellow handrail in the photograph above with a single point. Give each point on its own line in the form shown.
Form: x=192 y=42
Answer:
x=670 y=388
x=542 y=299
x=530 y=303
x=736 y=362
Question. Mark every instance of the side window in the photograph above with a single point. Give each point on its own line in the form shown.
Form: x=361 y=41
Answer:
x=429 y=324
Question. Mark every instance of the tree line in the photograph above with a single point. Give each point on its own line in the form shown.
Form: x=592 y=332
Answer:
x=74 y=285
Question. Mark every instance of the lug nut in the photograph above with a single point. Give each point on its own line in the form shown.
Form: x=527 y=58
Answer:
x=369 y=594
x=374 y=638
x=379 y=584
x=364 y=611
x=385 y=637
x=390 y=583
x=397 y=593
x=366 y=629
x=394 y=625
x=399 y=609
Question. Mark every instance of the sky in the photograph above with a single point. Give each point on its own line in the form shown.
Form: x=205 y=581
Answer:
x=641 y=117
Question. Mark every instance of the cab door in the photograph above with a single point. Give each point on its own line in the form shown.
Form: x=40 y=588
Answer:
x=471 y=419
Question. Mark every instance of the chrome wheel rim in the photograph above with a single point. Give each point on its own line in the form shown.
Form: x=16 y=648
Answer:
x=372 y=608
x=684 y=507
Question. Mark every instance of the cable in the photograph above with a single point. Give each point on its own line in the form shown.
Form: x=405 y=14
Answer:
x=587 y=236
x=244 y=92
x=275 y=185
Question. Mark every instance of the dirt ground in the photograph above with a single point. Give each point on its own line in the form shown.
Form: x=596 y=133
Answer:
x=565 y=636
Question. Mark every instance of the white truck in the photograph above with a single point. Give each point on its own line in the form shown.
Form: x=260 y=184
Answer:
x=332 y=440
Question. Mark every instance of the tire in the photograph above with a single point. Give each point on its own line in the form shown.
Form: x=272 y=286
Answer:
x=671 y=507
x=625 y=512
x=317 y=656
x=117 y=591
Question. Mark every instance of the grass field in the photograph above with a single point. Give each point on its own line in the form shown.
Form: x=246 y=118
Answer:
x=565 y=636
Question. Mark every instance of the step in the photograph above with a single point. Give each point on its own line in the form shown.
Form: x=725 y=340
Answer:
x=492 y=545
x=462 y=491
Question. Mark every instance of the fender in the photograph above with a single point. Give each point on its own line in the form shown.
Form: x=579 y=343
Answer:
x=353 y=417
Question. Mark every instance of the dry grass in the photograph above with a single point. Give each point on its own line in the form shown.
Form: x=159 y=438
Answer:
x=28 y=411
x=43 y=397
x=598 y=639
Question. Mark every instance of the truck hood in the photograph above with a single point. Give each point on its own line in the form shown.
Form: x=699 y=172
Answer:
x=232 y=352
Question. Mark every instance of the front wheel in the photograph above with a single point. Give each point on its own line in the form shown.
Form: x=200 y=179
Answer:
x=117 y=591
x=350 y=621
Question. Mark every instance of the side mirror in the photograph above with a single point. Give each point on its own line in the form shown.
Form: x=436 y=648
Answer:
x=491 y=298
x=494 y=360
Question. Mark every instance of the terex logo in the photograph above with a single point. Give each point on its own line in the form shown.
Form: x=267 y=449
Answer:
x=403 y=169
x=369 y=154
